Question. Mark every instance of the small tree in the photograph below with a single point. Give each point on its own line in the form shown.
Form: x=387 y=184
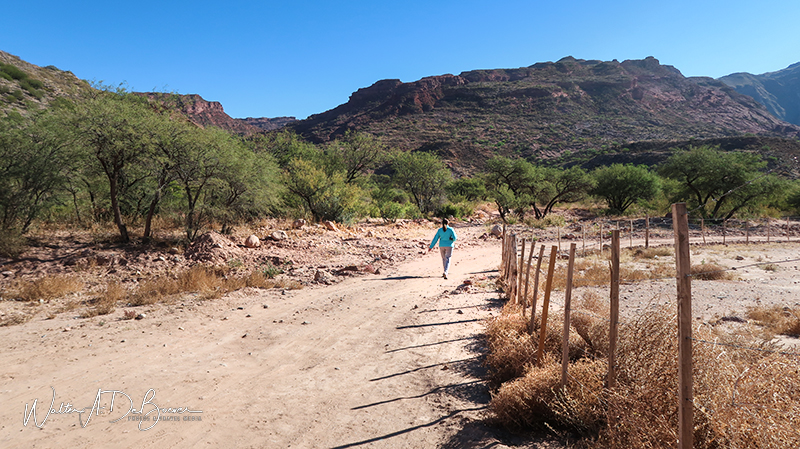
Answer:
x=720 y=184
x=424 y=176
x=623 y=185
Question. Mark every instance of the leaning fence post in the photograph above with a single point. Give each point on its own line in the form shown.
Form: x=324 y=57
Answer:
x=684 y=284
x=535 y=289
x=546 y=304
x=613 y=331
x=567 y=303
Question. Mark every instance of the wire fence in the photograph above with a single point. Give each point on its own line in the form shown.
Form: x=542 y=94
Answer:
x=700 y=232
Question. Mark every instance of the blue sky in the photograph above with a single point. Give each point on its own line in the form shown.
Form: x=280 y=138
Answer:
x=297 y=58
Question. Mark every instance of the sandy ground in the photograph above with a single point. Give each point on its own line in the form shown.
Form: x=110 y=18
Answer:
x=379 y=360
x=389 y=360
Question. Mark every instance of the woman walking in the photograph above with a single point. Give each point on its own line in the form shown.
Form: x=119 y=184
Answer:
x=446 y=236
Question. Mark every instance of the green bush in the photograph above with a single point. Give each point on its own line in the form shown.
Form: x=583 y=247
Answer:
x=13 y=71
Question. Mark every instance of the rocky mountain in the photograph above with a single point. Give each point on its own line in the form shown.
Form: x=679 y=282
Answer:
x=25 y=86
x=211 y=113
x=546 y=110
x=268 y=124
x=778 y=91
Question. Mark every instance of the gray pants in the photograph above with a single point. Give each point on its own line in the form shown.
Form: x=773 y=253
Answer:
x=446 y=252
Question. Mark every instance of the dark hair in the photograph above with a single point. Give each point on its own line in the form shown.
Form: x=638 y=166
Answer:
x=445 y=222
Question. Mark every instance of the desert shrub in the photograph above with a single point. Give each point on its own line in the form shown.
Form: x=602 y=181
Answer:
x=107 y=301
x=776 y=319
x=47 y=288
x=744 y=398
x=710 y=271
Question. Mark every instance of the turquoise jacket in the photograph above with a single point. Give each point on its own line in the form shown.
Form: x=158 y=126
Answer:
x=445 y=238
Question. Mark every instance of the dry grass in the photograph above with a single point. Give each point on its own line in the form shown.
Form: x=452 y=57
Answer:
x=46 y=288
x=777 y=319
x=744 y=398
x=106 y=303
x=711 y=271
x=208 y=282
x=652 y=253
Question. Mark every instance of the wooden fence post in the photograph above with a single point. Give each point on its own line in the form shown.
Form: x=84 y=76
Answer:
x=647 y=231
x=747 y=232
x=787 y=230
x=567 y=303
x=512 y=272
x=546 y=303
x=630 y=235
x=558 y=229
x=527 y=278
x=723 y=231
x=519 y=274
x=684 y=283
x=583 y=231
x=703 y=230
x=768 y=229
x=614 y=312
x=535 y=290
x=601 y=237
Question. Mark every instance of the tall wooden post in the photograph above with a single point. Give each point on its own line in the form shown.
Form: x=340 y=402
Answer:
x=520 y=299
x=601 y=237
x=546 y=304
x=647 y=231
x=527 y=278
x=747 y=232
x=684 y=282
x=768 y=229
x=512 y=262
x=788 y=239
x=724 y=231
x=567 y=304
x=630 y=236
x=614 y=315
x=703 y=230
x=583 y=231
x=535 y=290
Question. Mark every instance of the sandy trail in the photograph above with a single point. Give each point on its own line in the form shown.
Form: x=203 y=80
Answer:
x=384 y=360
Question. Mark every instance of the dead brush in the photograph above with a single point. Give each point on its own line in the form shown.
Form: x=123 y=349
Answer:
x=47 y=288
x=744 y=398
x=209 y=282
x=537 y=401
x=652 y=252
x=107 y=301
x=776 y=319
x=711 y=271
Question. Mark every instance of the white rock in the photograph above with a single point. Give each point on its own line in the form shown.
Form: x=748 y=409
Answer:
x=252 y=242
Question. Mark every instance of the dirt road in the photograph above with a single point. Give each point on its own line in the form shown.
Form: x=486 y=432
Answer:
x=385 y=360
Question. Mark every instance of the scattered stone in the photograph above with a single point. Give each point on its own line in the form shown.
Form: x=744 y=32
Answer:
x=279 y=235
x=8 y=274
x=245 y=335
x=141 y=316
x=468 y=282
x=739 y=258
x=331 y=226
x=252 y=242
x=299 y=223
x=370 y=234
x=460 y=312
x=733 y=319
x=496 y=231
x=322 y=277
x=266 y=306
x=180 y=328
x=174 y=250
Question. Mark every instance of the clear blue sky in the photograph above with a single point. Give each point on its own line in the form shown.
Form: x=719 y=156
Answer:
x=301 y=57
